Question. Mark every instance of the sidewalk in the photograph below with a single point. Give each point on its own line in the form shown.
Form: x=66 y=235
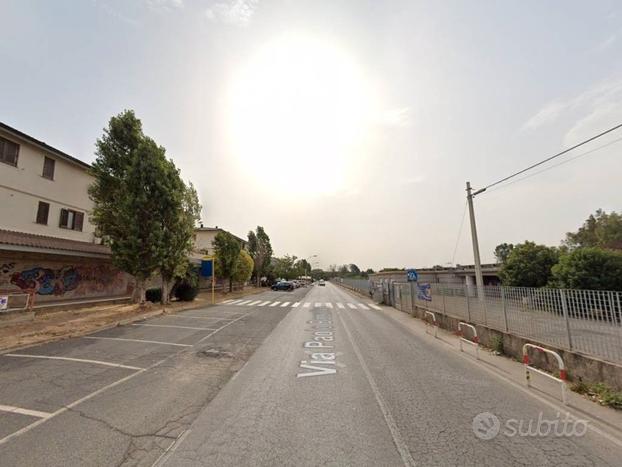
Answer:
x=58 y=325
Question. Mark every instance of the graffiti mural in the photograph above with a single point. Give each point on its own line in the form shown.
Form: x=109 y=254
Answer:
x=54 y=280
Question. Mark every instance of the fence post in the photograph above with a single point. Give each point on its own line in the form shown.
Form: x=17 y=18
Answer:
x=412 y=298
x=562 y=295
x=505 y=311
x=466 y=294
x=443 y=294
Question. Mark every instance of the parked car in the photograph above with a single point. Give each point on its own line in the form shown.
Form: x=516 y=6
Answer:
x=283 y=285
x=321 y=282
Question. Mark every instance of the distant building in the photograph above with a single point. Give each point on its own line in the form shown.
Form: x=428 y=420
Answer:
x=458 y=275
x=47 y=242
x=204 y=240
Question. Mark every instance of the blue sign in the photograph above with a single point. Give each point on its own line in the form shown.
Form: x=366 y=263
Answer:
x=411 y=274
x=207 y=268
x=424 y=292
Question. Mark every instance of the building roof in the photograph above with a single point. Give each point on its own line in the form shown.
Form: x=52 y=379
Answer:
x=42 y=145
x=43 y=243
x=217 y=229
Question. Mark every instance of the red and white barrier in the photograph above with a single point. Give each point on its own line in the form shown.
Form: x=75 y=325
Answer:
x=474 y=340
x=433 y=323
x=562 y=368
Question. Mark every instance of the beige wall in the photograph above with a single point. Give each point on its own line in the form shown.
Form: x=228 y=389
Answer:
x=22 y=187
x=204 y=240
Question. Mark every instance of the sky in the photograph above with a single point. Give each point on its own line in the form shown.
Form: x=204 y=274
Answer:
x=346 y=128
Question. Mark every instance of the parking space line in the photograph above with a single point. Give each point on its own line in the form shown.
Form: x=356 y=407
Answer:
x=285 y=304
x=173 y=326
x=340 y=305
x=253 y=303
x=136 y=340
x=295 y=305
x=352 y=305
x=69 y=359
x=264 y=303
x=362 y=306
x=274 y=303
x=329 y=305
x=18 y=410
x=306 y=305
x=375 y=307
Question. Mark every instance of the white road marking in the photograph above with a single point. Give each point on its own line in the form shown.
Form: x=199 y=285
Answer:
x=362 y=306
x=228 y=301
x=231 y=302
x=172 y=326
x=197 y=317
x=264 y=303
x=329 y=305
x=285 y=304
x=69 y=359
x=375 y=307
x=274 y=303
x=340 y=305
x=306 y=305
x=352 y=305
x=253 y=303
x=31 y=413
x=136 y=340
x=295 y=304
x=401 y=446
x=244 y=302
x=318 y=304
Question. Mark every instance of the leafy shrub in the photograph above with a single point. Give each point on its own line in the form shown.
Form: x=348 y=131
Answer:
x=496 y=342
x=185 y=291
x=154 y=295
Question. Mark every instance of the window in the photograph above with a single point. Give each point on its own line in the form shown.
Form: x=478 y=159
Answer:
x=72 y=220
x=48 y=168
x=8 y=151
x=42 y=213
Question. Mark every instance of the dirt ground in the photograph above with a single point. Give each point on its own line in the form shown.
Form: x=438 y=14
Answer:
x=57 y=325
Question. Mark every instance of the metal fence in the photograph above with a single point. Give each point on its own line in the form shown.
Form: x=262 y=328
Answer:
x=586 y=321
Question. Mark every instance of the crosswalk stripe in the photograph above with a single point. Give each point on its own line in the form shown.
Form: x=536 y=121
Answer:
x=352 y=305
x=227 y=301
x=306 y=305
x=329 y=305
x=285 y=304
x=274 y=303
x=234 y=301
x=295 y=304
x=243 y=302
x=253 y=303
x=362 y=306
x=317 y=304
x=375 y=307
x=264 y=303
x=340 y=305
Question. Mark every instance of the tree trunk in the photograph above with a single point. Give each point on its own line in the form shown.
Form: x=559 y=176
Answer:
x=140 y=285
x=165 y=292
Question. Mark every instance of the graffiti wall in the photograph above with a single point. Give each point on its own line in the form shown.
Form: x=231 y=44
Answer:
x=69 y=279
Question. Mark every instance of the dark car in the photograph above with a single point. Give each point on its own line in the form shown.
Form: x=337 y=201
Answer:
x=283 y=285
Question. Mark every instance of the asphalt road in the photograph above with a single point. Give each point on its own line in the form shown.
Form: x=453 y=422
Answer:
x=338 y=383
x=122 y=396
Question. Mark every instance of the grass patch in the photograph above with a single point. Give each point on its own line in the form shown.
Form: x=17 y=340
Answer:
x=496 y=343
x=599 y=392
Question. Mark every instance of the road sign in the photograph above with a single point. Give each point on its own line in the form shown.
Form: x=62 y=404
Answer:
x=207 y=267
x=4 y=302
x=412 y=275
x=424 y=292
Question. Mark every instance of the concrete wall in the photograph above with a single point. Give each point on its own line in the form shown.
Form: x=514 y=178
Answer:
x=22 y=187
x=62 y=278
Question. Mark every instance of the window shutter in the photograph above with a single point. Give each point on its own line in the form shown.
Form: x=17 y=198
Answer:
x=78 y=221
x=64 y=216
x=42 y=213
x=48 y=167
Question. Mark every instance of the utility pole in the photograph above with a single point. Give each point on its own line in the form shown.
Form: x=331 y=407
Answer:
x=479 y=279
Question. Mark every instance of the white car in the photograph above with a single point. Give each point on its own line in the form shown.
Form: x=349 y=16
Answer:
x=321 y=282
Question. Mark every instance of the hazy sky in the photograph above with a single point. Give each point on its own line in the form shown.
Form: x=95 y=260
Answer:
x=347 y=128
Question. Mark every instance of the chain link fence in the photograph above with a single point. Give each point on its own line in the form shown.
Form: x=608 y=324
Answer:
x=586 y=321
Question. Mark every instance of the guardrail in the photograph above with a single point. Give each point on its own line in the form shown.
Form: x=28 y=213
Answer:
x=434 y=323
x=562 y=368
x=475 y=340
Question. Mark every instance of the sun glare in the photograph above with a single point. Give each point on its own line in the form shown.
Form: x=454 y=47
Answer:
x=298 y=111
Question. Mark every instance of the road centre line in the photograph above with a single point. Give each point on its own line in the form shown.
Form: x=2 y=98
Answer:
x=172 y=326
x=274 y=303
x=264 y=303
x=70 y=359
x=285 y=304
x=136 y=340
x=352 y=305
x=19 y=410
x=109 y=386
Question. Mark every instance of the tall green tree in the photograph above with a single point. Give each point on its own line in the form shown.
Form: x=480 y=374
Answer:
x=354 y=269
x=529 y=265
x=502 y=252
x=227 y=250
x=284 y=267
x=244 y=267
x=599 y=230
x=260 y=249
x=588 y=268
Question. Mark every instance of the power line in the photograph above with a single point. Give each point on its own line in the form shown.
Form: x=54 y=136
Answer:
x=610 y=143
x=453 y=258
x=549 y=158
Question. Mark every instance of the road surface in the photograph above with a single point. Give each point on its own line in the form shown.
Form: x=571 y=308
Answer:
x=328 y=380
